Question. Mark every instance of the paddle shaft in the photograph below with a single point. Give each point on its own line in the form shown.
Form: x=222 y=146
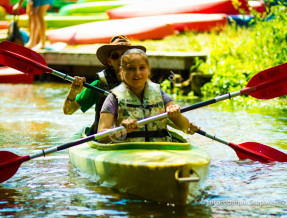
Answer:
x=92 y=137
x=9 y=167
x=65 y=146
x=120 y=128
x=269 y=80
x=87 y=85
x=187 y=108
x=213 y=137
x=96 y=136
x=28 y=66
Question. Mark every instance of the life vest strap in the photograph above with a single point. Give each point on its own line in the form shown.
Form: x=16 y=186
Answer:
x=142 y=106
x=148 y=134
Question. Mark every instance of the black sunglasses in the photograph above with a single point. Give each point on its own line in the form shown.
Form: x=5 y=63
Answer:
x=115 y=56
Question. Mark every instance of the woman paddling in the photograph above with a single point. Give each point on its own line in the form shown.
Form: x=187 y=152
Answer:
x=109 y=55
x=136 y=98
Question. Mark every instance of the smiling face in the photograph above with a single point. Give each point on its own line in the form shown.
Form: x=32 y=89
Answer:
x=135 y=69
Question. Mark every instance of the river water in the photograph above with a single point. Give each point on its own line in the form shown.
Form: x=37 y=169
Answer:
x=32 y=119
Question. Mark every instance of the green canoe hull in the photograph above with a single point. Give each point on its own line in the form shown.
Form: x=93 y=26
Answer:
x=165 y=172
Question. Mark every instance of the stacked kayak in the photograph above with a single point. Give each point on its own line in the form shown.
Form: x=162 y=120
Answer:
x=9 y=75
x=193 y=22
x=170 y=172
x=60 y=21
x=103 y=31
x=160 y=7
x=4 y=24
x=90 y=7
x=148 y=20
x=140 y=28
x=62 y=3
x=259 y=6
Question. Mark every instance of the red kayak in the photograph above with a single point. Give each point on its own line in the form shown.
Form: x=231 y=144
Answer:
x=103 y=31
x=4 y=24
x=10 y=75
x=141 y=28
x=161 y=7
x=259 y=6
x=9 y=9
x=193 y=22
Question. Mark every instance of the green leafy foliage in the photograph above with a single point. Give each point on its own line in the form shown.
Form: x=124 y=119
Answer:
x=237 y=53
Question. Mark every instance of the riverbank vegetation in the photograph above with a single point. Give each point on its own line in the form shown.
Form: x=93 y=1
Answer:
x=235 y=54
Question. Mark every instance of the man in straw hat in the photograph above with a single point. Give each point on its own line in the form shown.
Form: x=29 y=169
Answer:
x=109 y=55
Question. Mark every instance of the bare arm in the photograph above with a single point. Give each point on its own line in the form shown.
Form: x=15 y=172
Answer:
x=106 y=123
x=192 y=129
x=176 y=117
x=70 y=105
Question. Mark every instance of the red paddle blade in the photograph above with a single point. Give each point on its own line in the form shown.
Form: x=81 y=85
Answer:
x=9 y=164
x=21 y=50
x=21 y=63
x=269 y=83
x=258 y=152
x=266 y=150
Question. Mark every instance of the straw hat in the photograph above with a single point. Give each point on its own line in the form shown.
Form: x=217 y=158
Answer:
x=117 y=42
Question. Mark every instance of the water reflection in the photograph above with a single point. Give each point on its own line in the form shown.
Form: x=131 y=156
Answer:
x=32 y=119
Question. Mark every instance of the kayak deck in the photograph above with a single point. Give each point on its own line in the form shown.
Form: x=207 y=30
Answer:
x=164 y=172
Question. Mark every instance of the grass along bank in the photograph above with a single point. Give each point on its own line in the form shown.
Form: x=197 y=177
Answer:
x=235 y=54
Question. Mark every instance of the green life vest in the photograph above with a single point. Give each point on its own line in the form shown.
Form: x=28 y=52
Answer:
x=129 y=106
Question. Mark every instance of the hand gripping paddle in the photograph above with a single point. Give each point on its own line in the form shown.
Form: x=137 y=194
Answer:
x=30 y=62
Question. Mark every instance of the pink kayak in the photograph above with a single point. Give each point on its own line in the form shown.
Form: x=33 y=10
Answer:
x=161 y=7
x=141 y=28
x=103 y=31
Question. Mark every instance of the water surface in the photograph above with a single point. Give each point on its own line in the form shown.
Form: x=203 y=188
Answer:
x=32 y=119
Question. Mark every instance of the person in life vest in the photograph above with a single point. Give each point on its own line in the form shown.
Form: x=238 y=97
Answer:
x=109 y=55
x=136 y=98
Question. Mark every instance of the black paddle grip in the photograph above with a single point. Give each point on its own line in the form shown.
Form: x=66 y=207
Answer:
x=87 y=85
x=197 y=105
x=77 y=142
x=201 y=132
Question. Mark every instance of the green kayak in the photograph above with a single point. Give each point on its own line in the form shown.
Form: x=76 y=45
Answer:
x=90 y=7
x=170 y=172
x=54 y=20
x=56 y=3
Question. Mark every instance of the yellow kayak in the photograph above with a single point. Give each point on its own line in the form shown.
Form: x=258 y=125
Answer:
x=171 y=172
